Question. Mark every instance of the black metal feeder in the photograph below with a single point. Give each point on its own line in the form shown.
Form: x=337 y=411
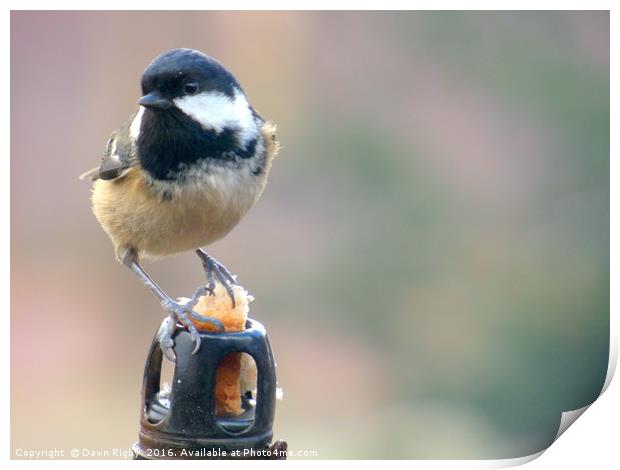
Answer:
x=183 y=424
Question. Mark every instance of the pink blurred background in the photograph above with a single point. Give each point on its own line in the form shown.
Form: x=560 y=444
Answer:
x=430 y=257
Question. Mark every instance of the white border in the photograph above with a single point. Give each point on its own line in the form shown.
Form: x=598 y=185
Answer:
x=591 y=442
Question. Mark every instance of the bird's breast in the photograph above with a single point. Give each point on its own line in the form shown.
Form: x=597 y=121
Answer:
x=160 y=218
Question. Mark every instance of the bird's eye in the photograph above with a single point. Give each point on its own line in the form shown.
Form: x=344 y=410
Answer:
x=190 y=88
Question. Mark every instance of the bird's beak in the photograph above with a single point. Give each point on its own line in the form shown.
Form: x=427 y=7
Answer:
x=155 y=101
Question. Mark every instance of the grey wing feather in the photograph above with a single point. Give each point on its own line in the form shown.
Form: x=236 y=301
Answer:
x=117 y=158
x=92 y=174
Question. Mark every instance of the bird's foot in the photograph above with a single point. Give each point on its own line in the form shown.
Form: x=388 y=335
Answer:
x=214 y=269
x=183 y=313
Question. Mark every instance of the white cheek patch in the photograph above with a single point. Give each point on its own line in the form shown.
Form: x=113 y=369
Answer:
x=215 y=110
x=134 y=129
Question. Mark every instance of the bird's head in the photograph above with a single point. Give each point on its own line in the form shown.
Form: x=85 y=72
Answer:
x=192 y=109
x=199 y=86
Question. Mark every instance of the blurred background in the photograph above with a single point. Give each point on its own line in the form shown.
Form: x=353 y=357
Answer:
x=430 y=258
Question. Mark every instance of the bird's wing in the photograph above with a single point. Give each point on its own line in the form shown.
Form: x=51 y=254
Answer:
x=92 y=174
x=117 y=158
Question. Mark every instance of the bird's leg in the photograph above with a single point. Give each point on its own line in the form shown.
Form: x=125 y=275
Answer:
x=177 y=312
x=213 y=267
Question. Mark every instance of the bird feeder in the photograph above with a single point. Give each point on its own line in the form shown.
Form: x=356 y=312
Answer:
x=182 y=423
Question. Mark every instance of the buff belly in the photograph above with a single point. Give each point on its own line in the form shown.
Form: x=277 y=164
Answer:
x=134 y=217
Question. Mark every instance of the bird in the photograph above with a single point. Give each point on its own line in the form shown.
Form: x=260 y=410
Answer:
x=180 y=174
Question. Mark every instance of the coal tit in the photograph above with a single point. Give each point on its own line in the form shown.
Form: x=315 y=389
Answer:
x=181 y=173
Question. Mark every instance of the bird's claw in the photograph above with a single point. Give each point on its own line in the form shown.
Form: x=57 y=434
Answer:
x=183 y=314
x=164 y=337
x=214 y=269
x=214 y=322
x=196 y=340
